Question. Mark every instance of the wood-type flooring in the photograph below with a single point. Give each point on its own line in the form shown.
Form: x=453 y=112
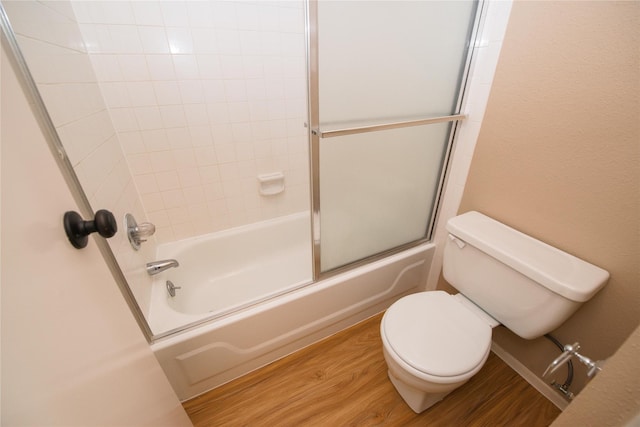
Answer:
x=342 y=381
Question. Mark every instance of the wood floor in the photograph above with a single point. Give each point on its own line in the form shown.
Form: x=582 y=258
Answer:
x=342 y=381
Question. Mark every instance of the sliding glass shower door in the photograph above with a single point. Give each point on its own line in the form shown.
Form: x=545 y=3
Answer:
x=386 y=79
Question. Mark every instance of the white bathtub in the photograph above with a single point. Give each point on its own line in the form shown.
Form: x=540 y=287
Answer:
x=226 y=271
x=246 y=335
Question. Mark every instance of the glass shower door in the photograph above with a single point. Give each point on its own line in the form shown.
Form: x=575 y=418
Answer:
x=385 y=83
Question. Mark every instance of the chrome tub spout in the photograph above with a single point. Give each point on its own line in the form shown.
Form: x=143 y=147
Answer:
x=156 y=267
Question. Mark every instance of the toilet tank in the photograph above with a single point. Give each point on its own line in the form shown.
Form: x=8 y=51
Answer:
x=525 y=284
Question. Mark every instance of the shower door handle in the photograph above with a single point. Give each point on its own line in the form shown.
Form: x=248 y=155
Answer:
x=387 y=126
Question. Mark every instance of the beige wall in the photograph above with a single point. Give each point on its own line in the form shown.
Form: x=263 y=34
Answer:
x=558 y=157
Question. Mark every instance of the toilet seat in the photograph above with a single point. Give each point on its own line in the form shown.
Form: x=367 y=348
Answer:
x=433 y=333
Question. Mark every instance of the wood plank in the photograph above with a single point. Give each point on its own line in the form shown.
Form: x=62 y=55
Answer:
x=342 y=380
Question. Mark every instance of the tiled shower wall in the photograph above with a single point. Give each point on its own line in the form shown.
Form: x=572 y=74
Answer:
x=204 y=96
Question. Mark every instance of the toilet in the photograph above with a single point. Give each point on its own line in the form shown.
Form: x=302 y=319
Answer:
x=434 y=342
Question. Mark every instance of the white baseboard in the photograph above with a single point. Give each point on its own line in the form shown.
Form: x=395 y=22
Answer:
x=530 y=377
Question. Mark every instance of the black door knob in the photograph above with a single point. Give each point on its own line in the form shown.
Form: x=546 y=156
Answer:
x=78 y=230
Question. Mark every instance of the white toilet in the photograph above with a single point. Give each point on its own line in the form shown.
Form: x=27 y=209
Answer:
x=434 y=342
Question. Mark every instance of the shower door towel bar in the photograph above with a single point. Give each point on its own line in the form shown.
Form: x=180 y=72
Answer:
x=396 y=125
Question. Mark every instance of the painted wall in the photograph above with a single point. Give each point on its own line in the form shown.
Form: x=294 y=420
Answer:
x=72 y=354
x=558 y=157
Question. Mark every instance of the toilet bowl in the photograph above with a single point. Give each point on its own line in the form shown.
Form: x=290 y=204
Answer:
x=434 y=342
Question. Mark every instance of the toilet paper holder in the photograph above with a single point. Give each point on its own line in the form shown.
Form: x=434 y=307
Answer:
x=571 y=350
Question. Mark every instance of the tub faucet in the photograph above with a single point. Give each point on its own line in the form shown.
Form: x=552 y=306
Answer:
x=160 y=266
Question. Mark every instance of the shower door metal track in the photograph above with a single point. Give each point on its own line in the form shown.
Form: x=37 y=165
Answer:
x=387 y=126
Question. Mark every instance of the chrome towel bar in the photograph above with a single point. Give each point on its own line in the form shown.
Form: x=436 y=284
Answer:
x=387 y=126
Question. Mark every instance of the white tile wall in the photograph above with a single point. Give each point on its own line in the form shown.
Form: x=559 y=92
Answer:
x=53 y=46
x=204 y=96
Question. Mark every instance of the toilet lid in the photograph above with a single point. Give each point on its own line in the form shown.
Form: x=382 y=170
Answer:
x=435 y=334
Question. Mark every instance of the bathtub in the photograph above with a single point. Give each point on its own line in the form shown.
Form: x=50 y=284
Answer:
x=215 y=278
x=245 y=335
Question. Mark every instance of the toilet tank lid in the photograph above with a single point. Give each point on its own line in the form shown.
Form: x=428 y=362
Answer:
x=557 y=270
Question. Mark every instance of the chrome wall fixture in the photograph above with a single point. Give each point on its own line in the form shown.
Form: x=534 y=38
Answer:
x=387 y=126
x=171 y=288
x=138 y=233
x=157 y=267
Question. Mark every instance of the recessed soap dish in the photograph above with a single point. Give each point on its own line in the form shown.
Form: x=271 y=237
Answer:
x=271 y=183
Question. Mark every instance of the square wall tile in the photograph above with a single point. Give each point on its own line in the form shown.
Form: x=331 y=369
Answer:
x=203 y=96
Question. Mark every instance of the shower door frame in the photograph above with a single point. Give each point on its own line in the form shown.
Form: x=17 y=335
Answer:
x=316 y=134
x=58 y=151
